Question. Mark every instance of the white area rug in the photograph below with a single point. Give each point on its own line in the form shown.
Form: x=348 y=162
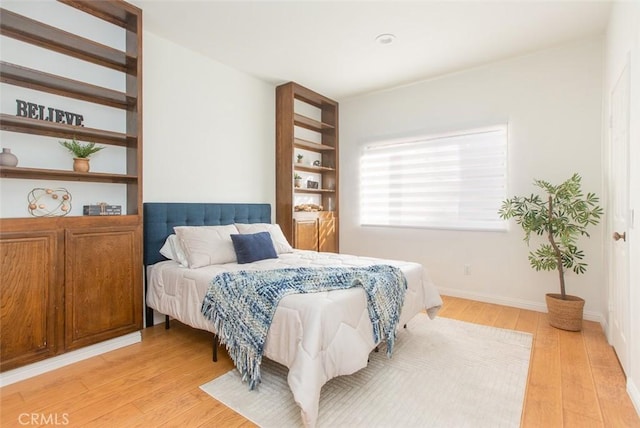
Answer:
x=443 y=373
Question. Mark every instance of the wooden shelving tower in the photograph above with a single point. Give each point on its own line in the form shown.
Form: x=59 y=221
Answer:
x=73 y=281
x=129 y=62
x=316 y=230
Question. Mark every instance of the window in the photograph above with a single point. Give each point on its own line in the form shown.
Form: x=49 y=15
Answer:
x=453 y=181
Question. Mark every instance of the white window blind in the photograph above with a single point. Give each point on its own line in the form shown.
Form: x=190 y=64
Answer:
x=455 y=181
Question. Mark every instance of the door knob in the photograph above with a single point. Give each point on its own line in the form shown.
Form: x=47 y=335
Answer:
x=617 y=236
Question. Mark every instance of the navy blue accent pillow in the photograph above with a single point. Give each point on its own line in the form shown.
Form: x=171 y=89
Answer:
x=253 y=247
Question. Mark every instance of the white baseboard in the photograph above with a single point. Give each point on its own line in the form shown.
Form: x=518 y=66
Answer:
x=516 y=303
x=634 y=394
x=22 y=373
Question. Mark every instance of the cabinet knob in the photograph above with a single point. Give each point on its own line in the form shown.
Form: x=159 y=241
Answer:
x=617 y=236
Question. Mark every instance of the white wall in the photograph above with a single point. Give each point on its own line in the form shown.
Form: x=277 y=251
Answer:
x=209 y=130
x=622 y=42
x=552 y=103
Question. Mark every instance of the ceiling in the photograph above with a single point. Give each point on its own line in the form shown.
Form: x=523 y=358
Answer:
x=330 y=46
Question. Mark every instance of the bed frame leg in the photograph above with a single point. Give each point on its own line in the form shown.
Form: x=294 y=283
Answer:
x=166 y=322
x=149 y=317
x=376 y=349
x=405 y=326
x=215 y=348
x=148 y=310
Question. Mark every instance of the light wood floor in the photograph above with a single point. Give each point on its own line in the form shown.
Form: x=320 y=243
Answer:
x=574 y=379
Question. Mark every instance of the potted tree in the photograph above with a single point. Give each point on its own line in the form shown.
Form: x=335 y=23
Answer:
x=81 y=153
x=561 y=217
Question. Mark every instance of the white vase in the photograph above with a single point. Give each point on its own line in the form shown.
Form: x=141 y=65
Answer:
x=7 y=158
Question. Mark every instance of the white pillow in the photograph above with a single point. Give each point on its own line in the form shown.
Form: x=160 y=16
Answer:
x=207 y=245
x=279 y=241
x=173 y=250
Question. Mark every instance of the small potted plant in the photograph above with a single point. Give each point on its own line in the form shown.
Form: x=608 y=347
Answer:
x=299 y=158
x=561 y=216
x=81 y=153
x=296 y=180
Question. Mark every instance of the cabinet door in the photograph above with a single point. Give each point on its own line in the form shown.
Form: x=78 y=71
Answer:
x=103 y=284
x=306 y=235
x=327 y=234
x=30 y=292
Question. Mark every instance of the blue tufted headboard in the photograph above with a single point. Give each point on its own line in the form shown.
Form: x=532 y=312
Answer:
x=160 y=218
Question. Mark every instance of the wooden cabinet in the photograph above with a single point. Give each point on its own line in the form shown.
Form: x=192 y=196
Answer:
x=102 y=300
x=67 y=283
x=327 y=237
x=73 y=281
x=30 y=295
x=307 y=147
x=306 y=234
x=315 y=231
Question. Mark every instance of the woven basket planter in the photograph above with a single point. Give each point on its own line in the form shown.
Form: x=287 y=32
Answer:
x=565 y=314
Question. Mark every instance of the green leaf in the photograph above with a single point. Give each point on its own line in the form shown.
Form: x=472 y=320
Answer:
x=567 y=219
x=81 y=150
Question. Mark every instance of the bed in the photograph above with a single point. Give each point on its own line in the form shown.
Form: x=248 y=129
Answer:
x=317 y=336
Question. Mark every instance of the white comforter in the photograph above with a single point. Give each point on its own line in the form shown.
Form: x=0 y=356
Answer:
x=317 y=336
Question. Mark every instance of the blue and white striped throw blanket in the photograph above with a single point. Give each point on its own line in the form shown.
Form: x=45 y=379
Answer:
x=241 y=305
